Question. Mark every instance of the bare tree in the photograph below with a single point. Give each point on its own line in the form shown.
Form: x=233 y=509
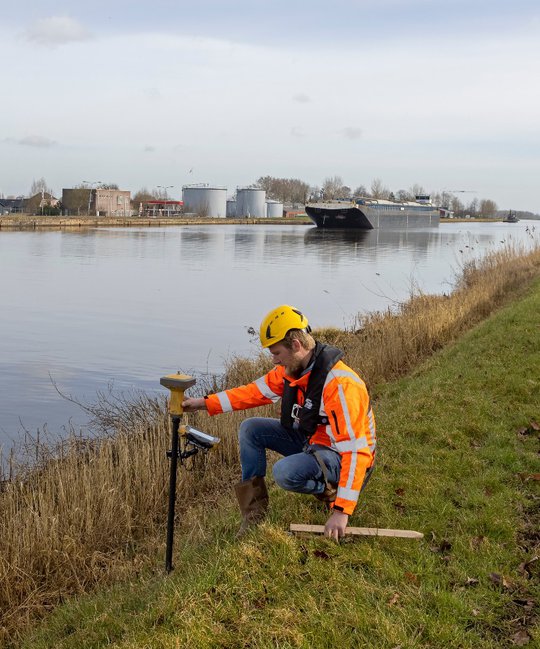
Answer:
x=488 y=208
x=40 y=186
x=143 y=195
x=378 y=190
x=286 y=190
x=333 y=187
x=416 y=190
x=360 y=191
x=472 y=207
x=457 y=206
x=76 y=200
x=161 y=193
x=445 y=199
x=404 y=195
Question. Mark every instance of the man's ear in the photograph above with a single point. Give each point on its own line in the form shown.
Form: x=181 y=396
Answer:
x=296 y=345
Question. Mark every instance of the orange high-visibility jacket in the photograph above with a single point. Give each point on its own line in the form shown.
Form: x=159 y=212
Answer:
x=345 y=404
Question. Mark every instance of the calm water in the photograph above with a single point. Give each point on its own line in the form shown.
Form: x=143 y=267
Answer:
x=125 y=306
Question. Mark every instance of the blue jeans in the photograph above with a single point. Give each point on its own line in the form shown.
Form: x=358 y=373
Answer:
x=299 y=470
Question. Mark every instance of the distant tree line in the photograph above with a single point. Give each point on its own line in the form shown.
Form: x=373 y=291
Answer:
x=285 y=190
x=144 y=194
x=293 y=190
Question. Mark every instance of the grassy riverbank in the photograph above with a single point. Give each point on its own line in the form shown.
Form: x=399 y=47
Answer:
x=458 y=456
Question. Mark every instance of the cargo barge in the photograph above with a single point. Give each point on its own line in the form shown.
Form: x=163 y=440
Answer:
x=373 y=213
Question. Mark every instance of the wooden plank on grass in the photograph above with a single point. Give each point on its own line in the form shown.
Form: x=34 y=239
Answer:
x=300 y=528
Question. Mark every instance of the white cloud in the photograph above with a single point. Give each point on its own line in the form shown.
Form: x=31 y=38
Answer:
x=57 y=30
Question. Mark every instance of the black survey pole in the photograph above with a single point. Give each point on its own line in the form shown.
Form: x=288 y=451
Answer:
x=173 y=455
x=176 y=383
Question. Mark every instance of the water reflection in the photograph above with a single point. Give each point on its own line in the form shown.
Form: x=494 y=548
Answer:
x=318 y=236
x=372 y=240
x=353 y=246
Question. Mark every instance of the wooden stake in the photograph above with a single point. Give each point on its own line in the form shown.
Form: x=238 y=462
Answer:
x=300 y=528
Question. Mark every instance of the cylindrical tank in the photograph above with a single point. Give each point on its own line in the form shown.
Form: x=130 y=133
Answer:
x=205 y=200
x=231 y=208
x=250 y=202
x=274 y=209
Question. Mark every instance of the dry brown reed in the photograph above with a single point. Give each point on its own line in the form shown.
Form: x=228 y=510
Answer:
x=385 y=345
x=93 y=511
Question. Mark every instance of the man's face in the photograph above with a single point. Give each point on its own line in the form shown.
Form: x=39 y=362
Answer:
x=290 y=359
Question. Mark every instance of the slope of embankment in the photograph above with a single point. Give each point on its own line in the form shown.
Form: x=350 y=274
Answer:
x=458 y=460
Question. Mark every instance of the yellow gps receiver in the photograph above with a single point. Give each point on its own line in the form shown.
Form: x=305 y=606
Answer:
x=177 y=384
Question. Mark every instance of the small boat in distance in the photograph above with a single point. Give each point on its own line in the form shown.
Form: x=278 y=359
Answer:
x=373 y=213
x=511 y=218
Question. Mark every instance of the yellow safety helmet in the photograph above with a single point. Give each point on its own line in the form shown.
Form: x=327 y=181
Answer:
x=278 y=322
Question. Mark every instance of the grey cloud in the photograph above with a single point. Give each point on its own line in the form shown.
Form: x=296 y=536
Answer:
x=37 y=141
x=152 y=93
x=296 y=131
x=352 y=133
x=149 y=148
x=302 y=98
x=57 y=30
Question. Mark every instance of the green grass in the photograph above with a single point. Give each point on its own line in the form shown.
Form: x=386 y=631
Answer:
x=452 y=464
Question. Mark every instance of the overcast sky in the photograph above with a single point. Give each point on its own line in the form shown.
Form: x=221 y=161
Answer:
x=445 y=94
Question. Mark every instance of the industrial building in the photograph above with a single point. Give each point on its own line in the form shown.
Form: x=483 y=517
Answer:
x=274 y=209
x=205 y=200
x=156 y=208
x=112 y=202
x=96 y=202
x=250 y=202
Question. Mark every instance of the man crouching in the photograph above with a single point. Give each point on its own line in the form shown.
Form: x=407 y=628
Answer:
x=326 y=432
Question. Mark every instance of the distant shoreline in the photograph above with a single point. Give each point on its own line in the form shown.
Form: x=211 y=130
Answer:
x=28 y=222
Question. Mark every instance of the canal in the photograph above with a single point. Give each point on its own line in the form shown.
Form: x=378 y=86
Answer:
x=115 y=308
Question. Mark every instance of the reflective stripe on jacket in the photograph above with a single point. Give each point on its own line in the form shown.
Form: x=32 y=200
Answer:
x=345 y=403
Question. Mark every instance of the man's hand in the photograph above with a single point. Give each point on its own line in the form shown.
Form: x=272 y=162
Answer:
x=336 y=524
x=191 y=404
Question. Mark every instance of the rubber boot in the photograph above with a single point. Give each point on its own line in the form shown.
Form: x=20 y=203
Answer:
x=252 y=497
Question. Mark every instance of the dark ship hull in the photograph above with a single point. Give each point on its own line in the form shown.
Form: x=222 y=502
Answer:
x=370 y=214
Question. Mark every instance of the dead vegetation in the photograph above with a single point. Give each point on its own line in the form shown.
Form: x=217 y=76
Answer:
x=388 y=344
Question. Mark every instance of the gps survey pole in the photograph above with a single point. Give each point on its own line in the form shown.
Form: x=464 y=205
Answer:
x=176 y=383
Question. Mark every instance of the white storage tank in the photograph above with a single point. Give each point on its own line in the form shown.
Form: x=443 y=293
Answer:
x=274 y=209
x=231 y=208
x=205 y=200
x=250 y=202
